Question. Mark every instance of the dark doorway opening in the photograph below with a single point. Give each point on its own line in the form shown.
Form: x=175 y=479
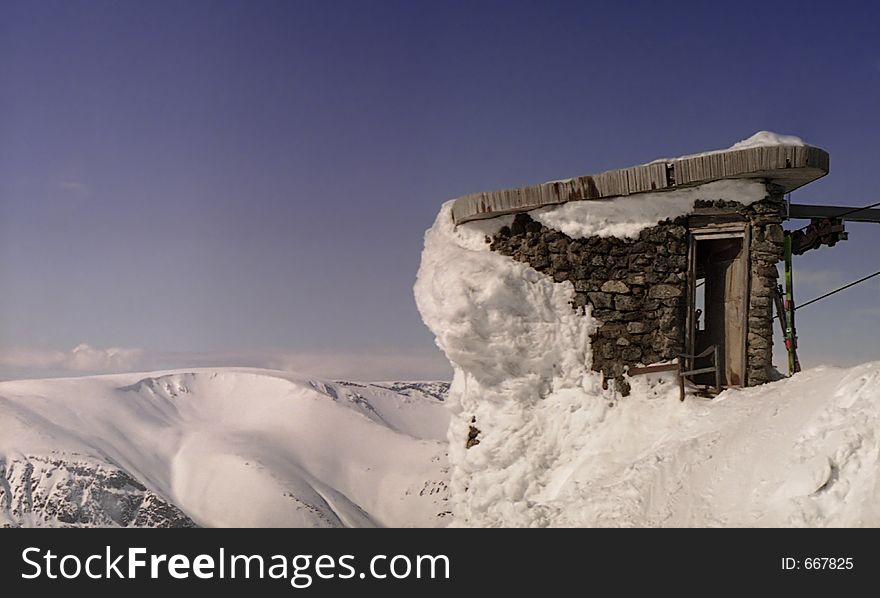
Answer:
x=718 y=305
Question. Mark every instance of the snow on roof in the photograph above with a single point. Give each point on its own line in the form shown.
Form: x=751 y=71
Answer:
x=759 y=139
x=784 y=160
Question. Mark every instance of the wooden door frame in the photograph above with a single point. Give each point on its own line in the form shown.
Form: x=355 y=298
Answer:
x=709 y=232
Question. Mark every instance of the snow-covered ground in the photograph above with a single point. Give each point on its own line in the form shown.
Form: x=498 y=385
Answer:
x=803 y=451
x=249 y=447
x=221 y=447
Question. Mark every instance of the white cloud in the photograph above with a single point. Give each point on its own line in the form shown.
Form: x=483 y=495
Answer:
x=82 y=358
x=85 y=359
x=30 y=358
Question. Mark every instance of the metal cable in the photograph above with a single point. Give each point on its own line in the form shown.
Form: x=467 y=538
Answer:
x=843 y=288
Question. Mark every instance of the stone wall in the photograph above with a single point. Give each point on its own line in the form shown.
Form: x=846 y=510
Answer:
x=638 y=288
x=767 y=250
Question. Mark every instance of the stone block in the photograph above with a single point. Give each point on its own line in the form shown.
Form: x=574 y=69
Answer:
x=626 y=302
x=601 y=300
x=664 y=291
x=614 y=286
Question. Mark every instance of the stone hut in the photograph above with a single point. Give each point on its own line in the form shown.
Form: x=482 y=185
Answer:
x=700 y=280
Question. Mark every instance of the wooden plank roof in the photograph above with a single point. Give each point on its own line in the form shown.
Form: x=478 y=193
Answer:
x=789 y=166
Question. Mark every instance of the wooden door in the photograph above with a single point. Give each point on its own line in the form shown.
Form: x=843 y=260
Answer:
x=720 y=262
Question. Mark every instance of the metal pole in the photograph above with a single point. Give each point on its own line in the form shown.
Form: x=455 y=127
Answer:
x=717 y=369
x=794 y=365
x=680 y=382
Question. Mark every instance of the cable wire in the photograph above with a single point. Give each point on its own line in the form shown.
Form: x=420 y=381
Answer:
x=843 y=288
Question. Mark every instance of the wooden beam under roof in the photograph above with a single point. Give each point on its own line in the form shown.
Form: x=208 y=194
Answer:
x=809 y=212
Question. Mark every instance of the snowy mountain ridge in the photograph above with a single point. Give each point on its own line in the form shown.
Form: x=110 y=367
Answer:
x=221 y=447
x=230 y=447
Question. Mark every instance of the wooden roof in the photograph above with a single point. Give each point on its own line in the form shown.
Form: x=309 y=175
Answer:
x=789 y=166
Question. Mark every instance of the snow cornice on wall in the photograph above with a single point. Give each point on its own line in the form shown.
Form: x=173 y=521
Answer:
x=784 y=164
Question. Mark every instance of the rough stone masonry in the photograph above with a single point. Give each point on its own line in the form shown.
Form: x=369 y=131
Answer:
x=637 y=288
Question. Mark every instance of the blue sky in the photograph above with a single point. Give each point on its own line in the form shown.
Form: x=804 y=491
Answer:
x=216 y=183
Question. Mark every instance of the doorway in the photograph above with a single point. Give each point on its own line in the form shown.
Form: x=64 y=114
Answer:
x=718 y=302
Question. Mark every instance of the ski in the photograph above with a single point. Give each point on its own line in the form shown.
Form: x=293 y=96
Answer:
x=794 y=365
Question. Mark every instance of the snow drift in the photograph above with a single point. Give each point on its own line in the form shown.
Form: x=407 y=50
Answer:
x=221 y=447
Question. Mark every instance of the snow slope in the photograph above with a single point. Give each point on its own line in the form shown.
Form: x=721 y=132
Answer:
x=248 y=447
x=801 y=452
x=221 y=447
